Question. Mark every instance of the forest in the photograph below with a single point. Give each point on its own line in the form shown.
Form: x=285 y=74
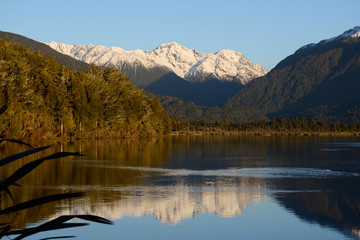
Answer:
x=40 y=97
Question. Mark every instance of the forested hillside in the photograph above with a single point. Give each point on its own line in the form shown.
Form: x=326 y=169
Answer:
x=190 y=111
x=40 y=97
x=36 y=46
x=320 y=81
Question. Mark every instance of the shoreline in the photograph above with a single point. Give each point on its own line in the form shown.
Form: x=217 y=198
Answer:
x=263 y=133
x=196 y=133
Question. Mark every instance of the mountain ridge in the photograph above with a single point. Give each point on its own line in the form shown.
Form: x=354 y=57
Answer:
x=192 y=65
x=351 y=33
x=319 y=81
x=174 y=70
x=36 y=46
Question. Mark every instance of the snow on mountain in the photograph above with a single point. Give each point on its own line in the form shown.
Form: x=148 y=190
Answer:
x=349 y=34
x=227 y=65
x=194 y=66
x=176 y=57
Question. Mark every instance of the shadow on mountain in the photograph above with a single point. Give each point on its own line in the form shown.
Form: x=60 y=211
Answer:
x=335 y=99
x=320 y=82
x=210 y=93
x=217 y=92
x=173 y=85
x=141 y=76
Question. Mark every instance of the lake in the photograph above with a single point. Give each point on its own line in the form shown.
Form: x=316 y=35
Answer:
x=192 y=187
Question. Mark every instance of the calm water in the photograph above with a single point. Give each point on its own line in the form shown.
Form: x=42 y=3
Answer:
x=199 y=187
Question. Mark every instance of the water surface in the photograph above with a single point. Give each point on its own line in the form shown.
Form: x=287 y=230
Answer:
x=201 y=187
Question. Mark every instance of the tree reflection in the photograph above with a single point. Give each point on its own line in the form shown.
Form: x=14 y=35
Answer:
x=14 y=207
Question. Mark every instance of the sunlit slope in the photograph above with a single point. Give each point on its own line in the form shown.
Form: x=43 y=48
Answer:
x=40 y=97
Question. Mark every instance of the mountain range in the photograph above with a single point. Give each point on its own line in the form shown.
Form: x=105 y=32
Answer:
x=319 y=80
x=172 y=69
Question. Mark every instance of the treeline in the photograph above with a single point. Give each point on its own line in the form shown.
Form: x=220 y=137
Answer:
x=276 y=125
x=40 y=97
x=188 y=110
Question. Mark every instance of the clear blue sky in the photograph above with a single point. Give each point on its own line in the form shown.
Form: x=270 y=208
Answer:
x=265 y=31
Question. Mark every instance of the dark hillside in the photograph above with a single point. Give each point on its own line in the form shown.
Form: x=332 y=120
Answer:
x=36 y=46
x=320 y=82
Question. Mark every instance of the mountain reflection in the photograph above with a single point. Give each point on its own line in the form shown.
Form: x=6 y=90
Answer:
x=336 y=207
x=177 y=178
x=112 y=178
x=329 y=209
x=174 y=203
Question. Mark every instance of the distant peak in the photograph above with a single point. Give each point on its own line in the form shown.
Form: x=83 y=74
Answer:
x=351 y=33
x=225 y=65
x=170 y=45
x=228 y=52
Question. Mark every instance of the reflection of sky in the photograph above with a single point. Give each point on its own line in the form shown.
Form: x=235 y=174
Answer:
x=261 y=221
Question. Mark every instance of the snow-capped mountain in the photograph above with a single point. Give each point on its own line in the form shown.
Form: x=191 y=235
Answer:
x=226 y=65
x=352 y=33
x=192 y=65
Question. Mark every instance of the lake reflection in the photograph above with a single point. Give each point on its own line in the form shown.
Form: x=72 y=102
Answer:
x=312 y=179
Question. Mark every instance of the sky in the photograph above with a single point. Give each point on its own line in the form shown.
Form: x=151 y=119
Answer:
x=265 y=31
